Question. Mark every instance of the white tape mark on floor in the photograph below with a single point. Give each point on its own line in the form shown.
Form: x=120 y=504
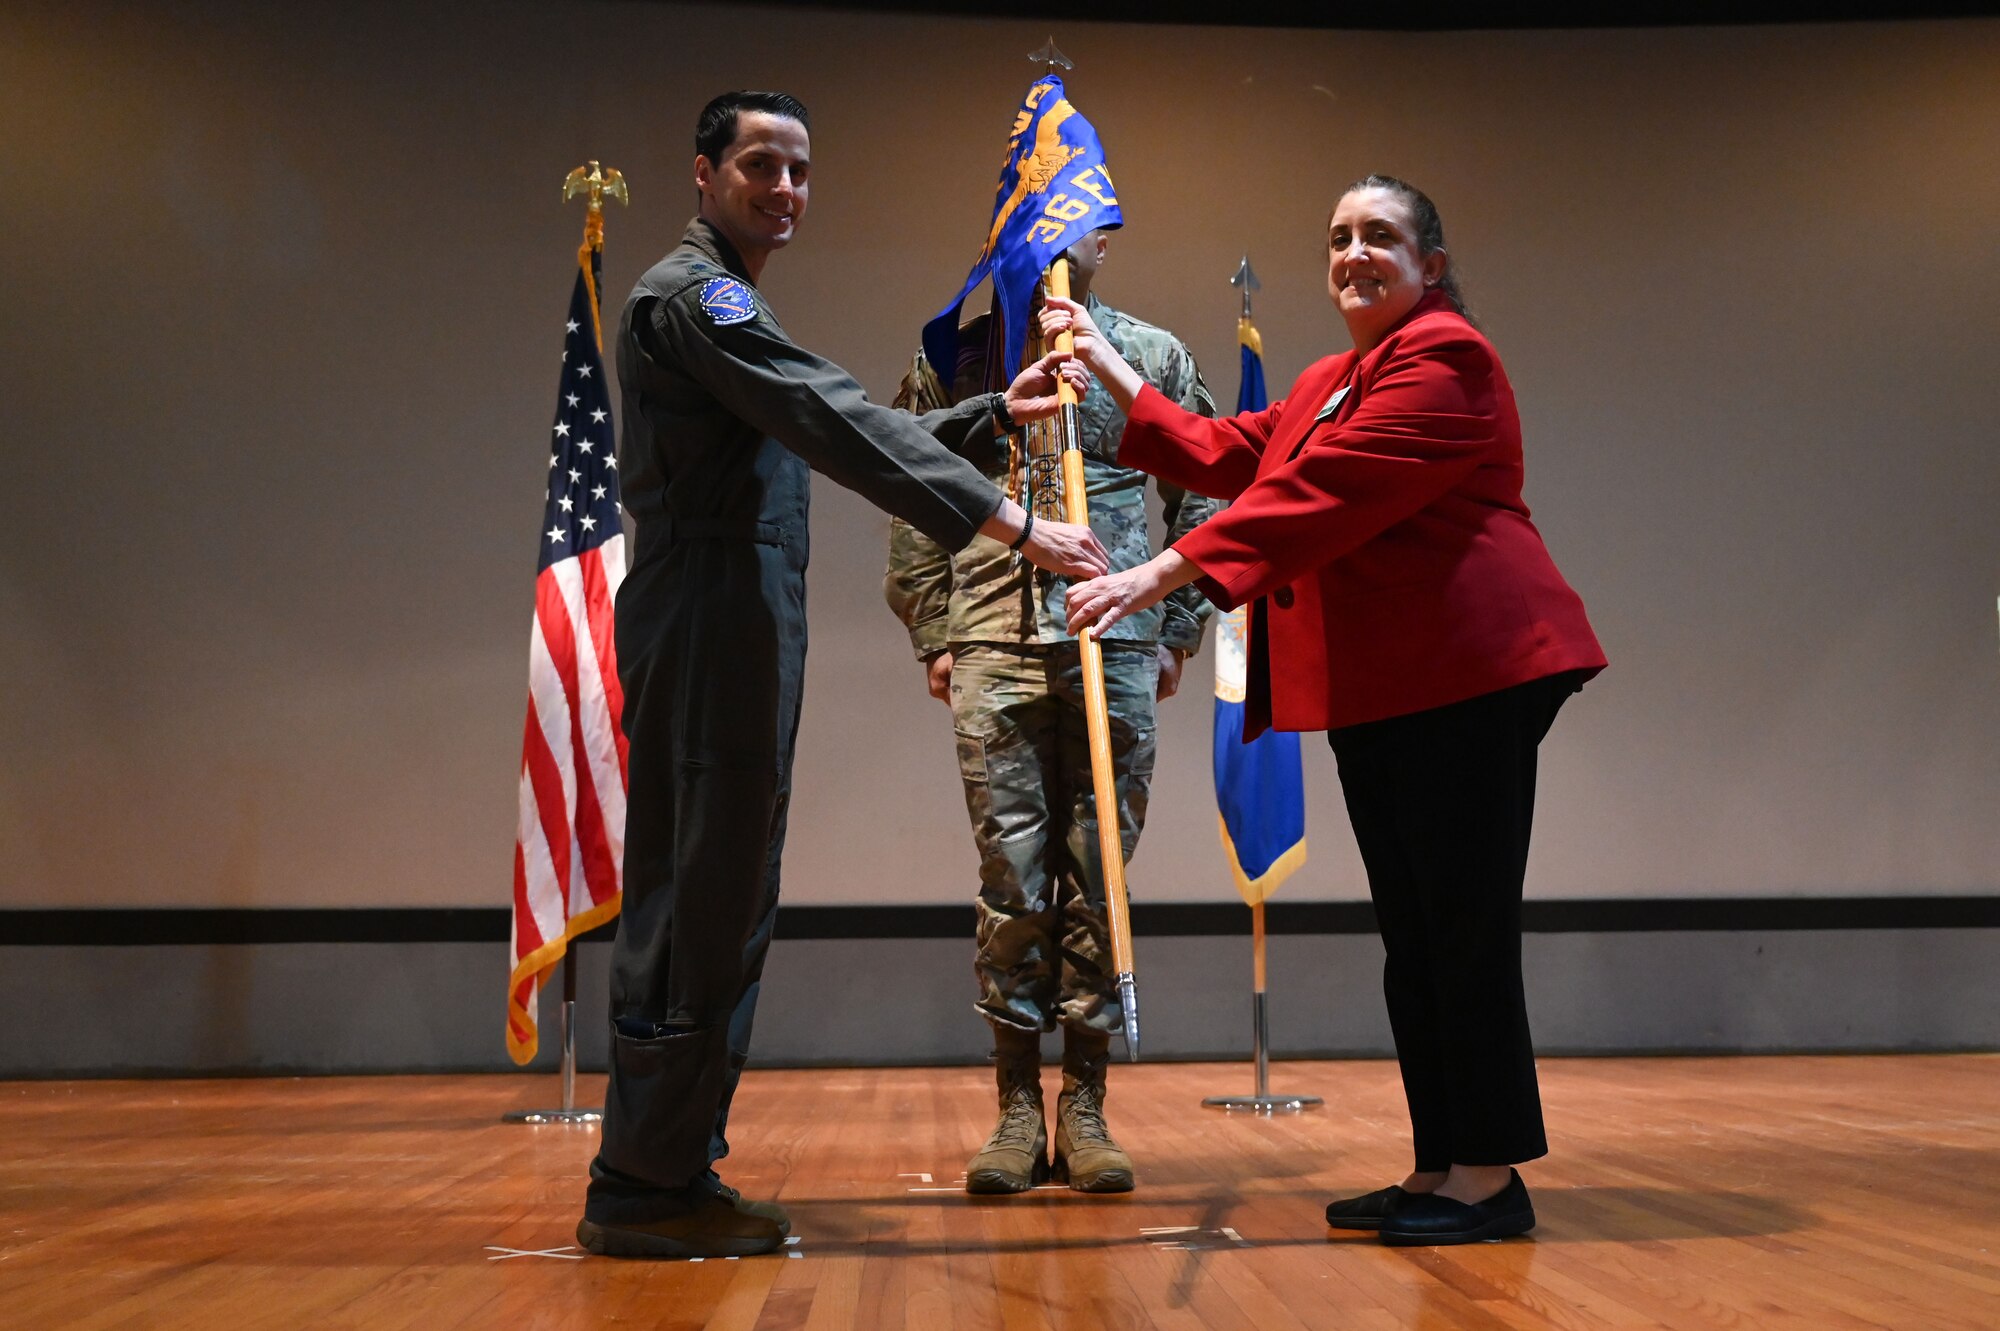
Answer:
x=565 y=1253
x=1190 y=1238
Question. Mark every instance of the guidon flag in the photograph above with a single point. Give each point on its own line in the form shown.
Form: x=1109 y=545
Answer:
x=1259 y=786
x=1054 y=189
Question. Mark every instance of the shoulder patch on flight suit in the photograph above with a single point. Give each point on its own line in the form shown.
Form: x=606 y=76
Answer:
x=727 y=301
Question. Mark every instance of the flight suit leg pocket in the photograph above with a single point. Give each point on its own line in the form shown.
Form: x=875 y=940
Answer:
x=723 y=821
x=661 y=1103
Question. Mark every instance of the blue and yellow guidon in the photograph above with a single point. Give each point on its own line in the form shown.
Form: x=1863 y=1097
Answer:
x=727 y=301
x=1260 y=787
x=1054 y=189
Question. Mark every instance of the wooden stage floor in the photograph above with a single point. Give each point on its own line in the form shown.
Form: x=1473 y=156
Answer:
x=1820 y=1193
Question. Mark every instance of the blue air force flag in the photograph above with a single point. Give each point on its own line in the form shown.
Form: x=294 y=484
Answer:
x=1054 y=189
x=1259 y=786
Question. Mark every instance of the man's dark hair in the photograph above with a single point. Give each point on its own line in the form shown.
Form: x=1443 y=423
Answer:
x=1429 y=227
x=716 y=129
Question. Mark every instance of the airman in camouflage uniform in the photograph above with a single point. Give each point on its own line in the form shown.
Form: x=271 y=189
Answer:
x=991 y=632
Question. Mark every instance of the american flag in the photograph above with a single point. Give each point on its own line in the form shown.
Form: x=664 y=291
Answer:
x=569 y=848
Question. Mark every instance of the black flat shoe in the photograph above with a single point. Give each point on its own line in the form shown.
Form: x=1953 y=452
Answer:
x=1365 y=1211
x=1427 y=1220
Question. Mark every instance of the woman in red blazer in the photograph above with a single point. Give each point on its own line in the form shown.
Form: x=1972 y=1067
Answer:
x=1401 y=600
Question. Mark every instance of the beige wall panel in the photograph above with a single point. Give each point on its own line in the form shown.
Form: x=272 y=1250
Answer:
x=279 y=299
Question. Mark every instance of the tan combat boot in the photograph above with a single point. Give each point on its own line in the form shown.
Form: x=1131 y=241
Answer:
x=1086 y=1156
x=1016 y=1157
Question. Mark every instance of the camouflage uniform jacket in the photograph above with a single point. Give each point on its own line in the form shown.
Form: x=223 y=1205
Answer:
x=985 y=593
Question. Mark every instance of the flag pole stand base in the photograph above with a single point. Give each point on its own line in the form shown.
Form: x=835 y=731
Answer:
x=1263 y=1102
x=553 y=1116
x=569 y=1113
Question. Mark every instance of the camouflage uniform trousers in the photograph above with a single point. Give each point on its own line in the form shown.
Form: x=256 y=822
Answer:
x=1044 y=948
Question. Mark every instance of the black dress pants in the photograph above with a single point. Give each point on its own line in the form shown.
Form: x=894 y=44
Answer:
x=1442 y=802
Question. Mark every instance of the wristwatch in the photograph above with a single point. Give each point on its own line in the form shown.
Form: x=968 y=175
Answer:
x=1007 y=424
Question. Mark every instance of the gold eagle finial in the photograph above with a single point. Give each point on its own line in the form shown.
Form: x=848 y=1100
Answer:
x=596 y=182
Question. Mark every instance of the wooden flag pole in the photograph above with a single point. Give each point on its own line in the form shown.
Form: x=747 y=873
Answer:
x=1096 y=710
x=1257 y=959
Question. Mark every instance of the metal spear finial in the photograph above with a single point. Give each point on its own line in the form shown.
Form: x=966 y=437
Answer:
x=1051 y=57
x=1246 y=279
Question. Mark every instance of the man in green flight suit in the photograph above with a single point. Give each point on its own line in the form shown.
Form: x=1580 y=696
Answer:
x=724 y=419
x=991 y=634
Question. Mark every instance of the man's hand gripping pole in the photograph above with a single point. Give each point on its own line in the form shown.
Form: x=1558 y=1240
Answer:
x=1096 y=711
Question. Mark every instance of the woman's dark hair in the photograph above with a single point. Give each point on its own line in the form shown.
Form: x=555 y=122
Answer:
x=716 y=129
x=1430 y=231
